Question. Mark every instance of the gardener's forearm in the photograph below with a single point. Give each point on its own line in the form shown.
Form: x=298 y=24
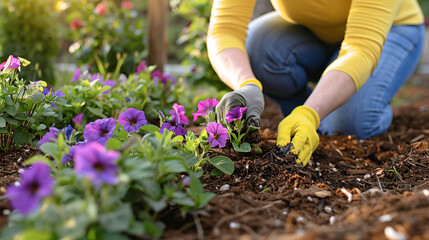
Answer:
x=332 y=91
x=233 y=67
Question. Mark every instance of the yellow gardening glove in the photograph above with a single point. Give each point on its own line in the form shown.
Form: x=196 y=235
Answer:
x=300 y=128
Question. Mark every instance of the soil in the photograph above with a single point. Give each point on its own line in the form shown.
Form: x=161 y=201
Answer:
x=351 y=189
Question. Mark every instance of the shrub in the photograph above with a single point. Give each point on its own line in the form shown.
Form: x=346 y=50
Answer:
x=102 y=29
x=29 y=29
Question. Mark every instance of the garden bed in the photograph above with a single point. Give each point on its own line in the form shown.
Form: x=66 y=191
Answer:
x=368 y=189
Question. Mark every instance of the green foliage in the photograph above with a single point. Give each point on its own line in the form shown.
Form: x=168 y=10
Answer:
x=148 y=183
x=29 y=29
x=21 y=108
x=105 y=33
x=193 y=36
x=141 y=91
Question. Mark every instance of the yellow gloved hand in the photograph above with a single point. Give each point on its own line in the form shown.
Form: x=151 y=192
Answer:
x=300 y=128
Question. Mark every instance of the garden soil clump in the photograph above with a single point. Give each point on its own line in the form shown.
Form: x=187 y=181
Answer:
x=351 y=189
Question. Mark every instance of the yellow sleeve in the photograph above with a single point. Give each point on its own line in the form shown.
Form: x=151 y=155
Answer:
x=367 y=26
x=228 y=25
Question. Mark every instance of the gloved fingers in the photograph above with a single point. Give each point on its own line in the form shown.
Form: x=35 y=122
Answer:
x=304 y=155
x=284 y=134
x=254 y=121
x=299 y=141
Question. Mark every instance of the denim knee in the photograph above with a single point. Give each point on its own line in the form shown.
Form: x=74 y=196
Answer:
x=373 y=122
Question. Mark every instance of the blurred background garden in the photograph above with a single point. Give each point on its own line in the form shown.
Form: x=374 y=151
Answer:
x=109 y=36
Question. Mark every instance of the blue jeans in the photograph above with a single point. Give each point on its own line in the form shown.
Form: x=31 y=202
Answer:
x=285 y=57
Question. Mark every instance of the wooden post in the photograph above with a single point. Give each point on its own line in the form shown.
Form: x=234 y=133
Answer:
x=157 y=25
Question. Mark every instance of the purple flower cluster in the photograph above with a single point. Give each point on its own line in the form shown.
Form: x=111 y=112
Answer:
x=132 y=119
x=205 y=108
x=97 y=164
x=218 y=134
x=77 y=120
x=177 y=122
x=36 y=184
x=100 y=130
x=164 y=78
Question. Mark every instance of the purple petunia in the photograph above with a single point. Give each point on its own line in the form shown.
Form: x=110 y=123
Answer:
x=132 y=119
x=109 y=83
x=218 y=134
x=47 y=90
x=174 y=124
x=50 y=136
x=69 y=157
x=76 y=75
x=181 y=111
x=97 y=164
x=36 y=183
x=10 y=64
x=96 y=76
x=78 y=119
x=68 y=131
x=205 y=108
x=235 y=114
x=100 y=130
x=141 y=67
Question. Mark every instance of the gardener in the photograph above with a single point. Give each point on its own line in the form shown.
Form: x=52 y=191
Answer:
x=359 y=52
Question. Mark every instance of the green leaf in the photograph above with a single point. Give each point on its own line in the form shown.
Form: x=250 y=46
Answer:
x=10 y=120
x=197 y=193
x=38 y=97
x=122 y=134
x=30 y=234
x=38 y=158
x=178 y=139
x=12 y=109
x=216 y=172
x=244 y=147
x=117 y=220
x=172 y=166
x=114 y=144
x=49 y=148
x=20 y=136
x=150 y=127
x=223 y=163
x=2 y=122
x=97 y=111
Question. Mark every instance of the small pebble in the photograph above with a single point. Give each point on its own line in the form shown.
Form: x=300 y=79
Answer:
x=21 y=171
x=6 y=211
x=19 y=159
x=358 y=179
x=234 y=225
x=385 y=218
x=332 y=220
x=316 y=169
x=330 y=164
x=328 y=209
x=17 y=184
x=26 y=150
x=367 y=176
x=247 y=166
x=300 y=219
x=426 y=192
x=285 y=213
x=318 y=163
x=224 y=187
x=334 y=170
x=237 y=180
x=260 y=186
x=392 y=234
x=310 y=199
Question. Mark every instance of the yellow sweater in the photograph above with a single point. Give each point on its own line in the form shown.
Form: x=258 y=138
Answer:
x=360 y=26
